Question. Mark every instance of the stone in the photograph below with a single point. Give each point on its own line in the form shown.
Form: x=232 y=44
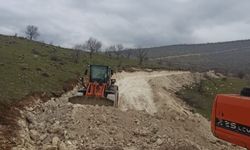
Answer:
x=159 y=141
x=72 y=147
x=22 y=123
x=62 y=146
x=30 y=108
x=30 y=117
x=69 y=142
x=137 y=121
x=154 y=130
x=141 y=132
x=130 y=148
x=55 y=141
x=17 y=148
x=57 y=123
x=34 y=135
x=49 y=147
x=44 y=136
x=177 y=118
x=54 y=129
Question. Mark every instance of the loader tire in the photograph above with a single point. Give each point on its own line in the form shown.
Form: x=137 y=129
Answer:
x=116 y=93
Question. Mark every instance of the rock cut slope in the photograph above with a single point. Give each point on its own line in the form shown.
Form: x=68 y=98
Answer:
x=149 y=117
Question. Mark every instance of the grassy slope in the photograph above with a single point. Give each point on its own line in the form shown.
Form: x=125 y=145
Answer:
x=26 y=67
x=201 y=97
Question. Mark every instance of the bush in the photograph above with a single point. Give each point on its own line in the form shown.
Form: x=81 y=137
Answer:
x=241 y=75
x=54 y=58
x=224 y=79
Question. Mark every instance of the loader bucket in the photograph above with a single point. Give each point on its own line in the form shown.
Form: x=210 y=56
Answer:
x=100 y=101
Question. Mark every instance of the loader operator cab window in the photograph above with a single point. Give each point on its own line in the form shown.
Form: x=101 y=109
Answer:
x=99 y=74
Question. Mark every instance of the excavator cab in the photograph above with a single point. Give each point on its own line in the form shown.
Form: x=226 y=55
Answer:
x=230 y=119
x=97 y=86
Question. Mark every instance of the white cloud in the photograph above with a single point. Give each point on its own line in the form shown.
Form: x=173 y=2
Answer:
x=224 y=32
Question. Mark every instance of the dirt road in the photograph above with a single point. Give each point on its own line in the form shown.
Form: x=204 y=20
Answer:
x=149 y=116
x=136 y=92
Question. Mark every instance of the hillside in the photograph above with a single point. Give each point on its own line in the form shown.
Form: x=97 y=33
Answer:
x=149 y=115
x=226 y=57
x=27 y=67
x=206 y=48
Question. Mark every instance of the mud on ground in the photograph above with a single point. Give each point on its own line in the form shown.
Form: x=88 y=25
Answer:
x=149 y=116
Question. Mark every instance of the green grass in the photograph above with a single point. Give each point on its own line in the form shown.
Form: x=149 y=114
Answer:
x=201 y=96
x=27 y=66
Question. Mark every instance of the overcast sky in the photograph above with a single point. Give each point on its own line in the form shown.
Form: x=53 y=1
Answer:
x=143 y=23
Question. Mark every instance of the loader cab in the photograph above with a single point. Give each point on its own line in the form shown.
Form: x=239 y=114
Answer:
x=99 y=73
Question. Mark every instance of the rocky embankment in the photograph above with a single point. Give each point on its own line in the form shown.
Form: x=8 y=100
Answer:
x=149 y=116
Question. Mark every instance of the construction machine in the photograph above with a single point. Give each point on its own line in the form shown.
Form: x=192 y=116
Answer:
x=98 y=88
x=230 y=118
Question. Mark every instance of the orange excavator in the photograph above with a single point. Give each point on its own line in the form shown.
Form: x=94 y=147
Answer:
x=97 y=87
x=230 y=119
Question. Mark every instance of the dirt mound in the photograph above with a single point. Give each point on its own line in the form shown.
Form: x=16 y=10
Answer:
x=149 y=117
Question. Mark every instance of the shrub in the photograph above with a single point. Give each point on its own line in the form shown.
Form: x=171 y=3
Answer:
x=241 y=75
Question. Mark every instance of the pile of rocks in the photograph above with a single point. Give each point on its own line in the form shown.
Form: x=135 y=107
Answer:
x=58 y=124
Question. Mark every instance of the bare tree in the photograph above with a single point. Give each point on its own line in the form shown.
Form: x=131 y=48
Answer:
x=118 y=50
x=141 y=55
x=160 y=62
x=110 y=50
x=241 y=74
x=128 y=53
x=93 y=45
x=107 y=53
x=32 y=32
x=77 y=53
